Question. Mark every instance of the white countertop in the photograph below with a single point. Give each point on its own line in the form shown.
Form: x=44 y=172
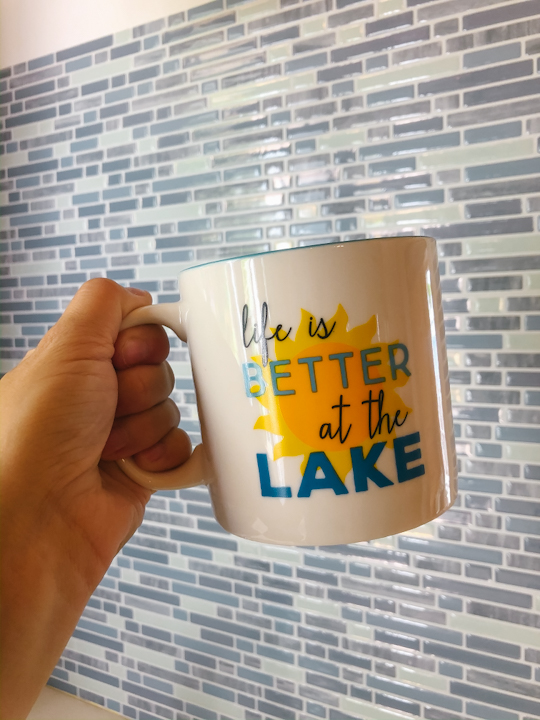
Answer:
x=56 y=705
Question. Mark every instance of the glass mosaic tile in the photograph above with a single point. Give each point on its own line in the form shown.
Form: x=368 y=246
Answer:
x=238 y=127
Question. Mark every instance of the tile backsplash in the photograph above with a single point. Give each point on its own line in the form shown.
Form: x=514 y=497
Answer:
x=238 y=127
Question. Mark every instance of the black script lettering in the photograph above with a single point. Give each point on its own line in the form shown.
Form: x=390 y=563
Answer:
x=321 y=324
x=390 y=424
x=326 y=428
x=258 y=335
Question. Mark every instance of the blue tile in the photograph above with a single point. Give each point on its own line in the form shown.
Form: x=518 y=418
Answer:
x=499 y=699
x=476 y=659
x=436 y=547
x=84 y=48
x=481 y=591
x=416 y=693
x=509 y=168
x=149 y=593
x=127 y=49
x=98 y=640
x=492 y=132
x=87 y=130
x=489 y=712
x=42 y=154
x=142 y=231
x=310 y=663
x=33 y=168
x=492 y=55
x=78 y=64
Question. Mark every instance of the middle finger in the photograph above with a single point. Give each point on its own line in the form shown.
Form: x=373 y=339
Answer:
x=143 y=386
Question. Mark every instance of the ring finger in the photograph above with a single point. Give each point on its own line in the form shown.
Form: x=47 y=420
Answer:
x=133 y=433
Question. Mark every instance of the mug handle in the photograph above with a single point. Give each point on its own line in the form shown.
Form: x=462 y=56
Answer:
x=192 y=472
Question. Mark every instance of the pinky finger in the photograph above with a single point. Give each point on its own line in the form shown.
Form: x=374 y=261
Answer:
x=171 y=451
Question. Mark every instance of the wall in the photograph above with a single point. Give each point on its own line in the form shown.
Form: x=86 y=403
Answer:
x=32 y=28
x=256 y=126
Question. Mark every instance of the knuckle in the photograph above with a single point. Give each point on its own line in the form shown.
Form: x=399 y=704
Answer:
x=103 y=286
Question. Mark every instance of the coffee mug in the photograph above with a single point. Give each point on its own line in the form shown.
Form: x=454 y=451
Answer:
x=322 y=389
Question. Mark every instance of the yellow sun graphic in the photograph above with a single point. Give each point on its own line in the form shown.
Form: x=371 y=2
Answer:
x=331 y=389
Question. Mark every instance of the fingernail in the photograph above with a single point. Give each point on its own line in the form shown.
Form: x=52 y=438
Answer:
x=136 y=291
x=134 y=351
x=155 y=453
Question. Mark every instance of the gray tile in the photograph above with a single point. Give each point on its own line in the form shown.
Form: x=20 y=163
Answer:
x=493 y=342
x=289 y=33
x=495 y=73
x=383 y=43
x=494 y=283
x=488 y=227
x=350 y=16
x=476 y=659
x=532 y=398
x=524 y=416
x=513 y=434
x=413 y=628
x=316 y=43
x=509 y=650
x=489 y=712
x=498 y=699
x=397 y=639
x=516 y=263
x=524 y=304
x=416 y=693
x=492 y=55
x=387 y=96
x=315 y=8
x=418 y=126
x=500 y=15
x=514 y=109
x=415 y=199
x=518 y=507
x=206 y=9
x=276 y=654
x=416 y=144
x=198 y=28
x=496 y=93
x=450 y=550
x=389 y=23
x=84 y=48
x=489 y=133
x=504 y=169
x=338 y=72
x=483 y=592
x=498 y=612
x=511 y=577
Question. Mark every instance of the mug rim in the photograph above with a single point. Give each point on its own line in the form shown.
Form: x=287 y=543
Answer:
x=308 y=247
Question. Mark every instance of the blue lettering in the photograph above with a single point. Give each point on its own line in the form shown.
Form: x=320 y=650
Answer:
x=364 y=467
x=277 y=375
x=341 y=357
x=310 y=361
x=253 y=379
x=403 y=458
x=267 y=489
x=366 y=364
x=330 y=479
x=394 y=367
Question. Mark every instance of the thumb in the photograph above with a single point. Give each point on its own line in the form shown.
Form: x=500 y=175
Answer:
x=96 y=313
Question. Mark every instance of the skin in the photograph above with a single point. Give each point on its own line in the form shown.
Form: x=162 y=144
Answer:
x=86 y=396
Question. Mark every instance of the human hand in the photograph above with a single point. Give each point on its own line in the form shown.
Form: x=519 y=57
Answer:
x=83 y=398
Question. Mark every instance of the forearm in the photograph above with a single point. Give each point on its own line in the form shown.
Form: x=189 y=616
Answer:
x=41 y=600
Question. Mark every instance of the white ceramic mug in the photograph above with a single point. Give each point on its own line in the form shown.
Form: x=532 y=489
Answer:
x=322 y=388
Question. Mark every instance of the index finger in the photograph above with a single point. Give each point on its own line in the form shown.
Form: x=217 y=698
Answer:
x=140 y=345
